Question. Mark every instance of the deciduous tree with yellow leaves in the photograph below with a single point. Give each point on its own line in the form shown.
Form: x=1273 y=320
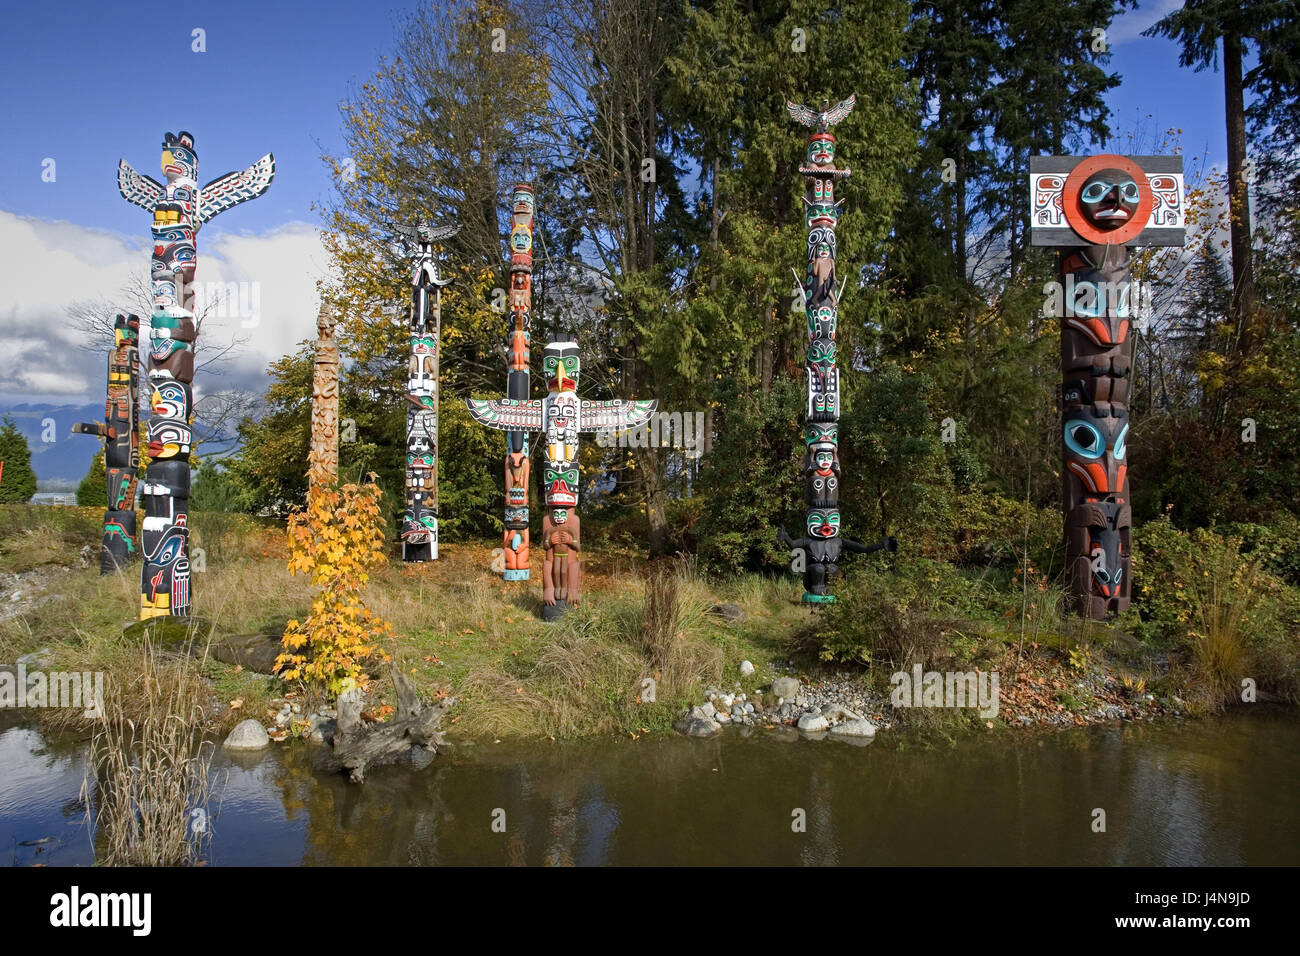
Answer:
x=337 y=539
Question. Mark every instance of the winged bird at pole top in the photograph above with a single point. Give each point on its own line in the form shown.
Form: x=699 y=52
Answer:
x=823 y=119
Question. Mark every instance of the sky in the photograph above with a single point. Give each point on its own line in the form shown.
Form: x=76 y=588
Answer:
x=86 y=83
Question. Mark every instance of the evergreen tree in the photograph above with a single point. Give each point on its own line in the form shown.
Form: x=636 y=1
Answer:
x=93 y=490
x=17 y=481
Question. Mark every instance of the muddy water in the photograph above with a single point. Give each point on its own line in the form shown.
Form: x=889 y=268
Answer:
x=1216 y=791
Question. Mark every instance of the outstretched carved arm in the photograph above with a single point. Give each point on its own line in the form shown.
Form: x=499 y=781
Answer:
x=857 y=547
x=790 y=542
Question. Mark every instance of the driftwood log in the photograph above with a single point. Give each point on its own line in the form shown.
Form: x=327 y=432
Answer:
x=416 y=724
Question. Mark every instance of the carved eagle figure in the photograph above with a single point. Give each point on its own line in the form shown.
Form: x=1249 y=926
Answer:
x=216 y=197
x=823 y=119
x=530 y=414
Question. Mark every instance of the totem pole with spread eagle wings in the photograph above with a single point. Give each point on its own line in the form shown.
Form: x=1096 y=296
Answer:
x=179 y=208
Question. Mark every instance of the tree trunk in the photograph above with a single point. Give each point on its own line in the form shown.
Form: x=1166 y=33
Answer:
x=1243 y=276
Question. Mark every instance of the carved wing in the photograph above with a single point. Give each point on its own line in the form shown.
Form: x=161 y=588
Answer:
x=137 y=188
x=840 y=110
x=507 y=415
x=803 y=115
x=233 y=188
x=615 y=413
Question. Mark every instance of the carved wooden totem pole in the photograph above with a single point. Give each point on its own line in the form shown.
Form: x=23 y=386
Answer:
x=420 y=521
x=120 y=431
x=1095 y=208
x=518 y=466
x=323 y=456
x=562 y=416
x=820 y=549
x=179 y=208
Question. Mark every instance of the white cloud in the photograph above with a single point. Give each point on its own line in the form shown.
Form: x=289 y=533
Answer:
x=46 y=266
x=1129 y=24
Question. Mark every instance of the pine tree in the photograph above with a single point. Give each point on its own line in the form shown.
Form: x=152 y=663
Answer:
x=93 y=490
x=18 y=481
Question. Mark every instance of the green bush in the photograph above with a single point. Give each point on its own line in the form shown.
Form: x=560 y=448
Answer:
x=913 y=611
x=1214 y=603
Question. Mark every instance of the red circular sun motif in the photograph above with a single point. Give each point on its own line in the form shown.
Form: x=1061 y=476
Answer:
x=1074 y=186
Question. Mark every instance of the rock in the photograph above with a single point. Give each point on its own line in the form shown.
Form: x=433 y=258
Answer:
x=737 y=710
x=254 y=652
x=706 y=711
x=857 y=727
x=320 y=729
x=419 y=757
x=839 y=712
x=723 y=718
x=749 y=708
x=785 y=686
x=247 y=735
x=813 y=723
x=731 y=613
x=746 y=668
x=697 y=727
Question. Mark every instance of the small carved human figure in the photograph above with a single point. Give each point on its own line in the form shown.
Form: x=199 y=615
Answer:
x=561 y=572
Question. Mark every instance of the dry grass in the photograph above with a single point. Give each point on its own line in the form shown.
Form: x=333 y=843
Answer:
x=151 y=771
x=1223 y=596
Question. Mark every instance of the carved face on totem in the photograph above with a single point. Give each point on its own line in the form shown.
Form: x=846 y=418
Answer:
x=821 y=149
x=126 y=330
x=419 y=453
x=179 y=160
x=821 y=355
x=1109 y=198
x=524 y=203
x=1106 y=525
x=822 y=436
x=561 y=484
x=561 y=366
x=170 y=399
x=823 y=523
x=1095 y=449
x=169 y=439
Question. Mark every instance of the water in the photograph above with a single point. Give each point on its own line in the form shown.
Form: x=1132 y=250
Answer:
x=1211 y=792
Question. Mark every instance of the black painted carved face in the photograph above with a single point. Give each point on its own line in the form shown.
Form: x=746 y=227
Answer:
x=1109 y=198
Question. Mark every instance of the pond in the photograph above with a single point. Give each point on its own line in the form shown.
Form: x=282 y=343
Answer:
x=1210 y=792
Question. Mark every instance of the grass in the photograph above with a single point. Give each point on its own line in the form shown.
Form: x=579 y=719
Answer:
x=150 y=770
x=458 y=626
x=461 y=629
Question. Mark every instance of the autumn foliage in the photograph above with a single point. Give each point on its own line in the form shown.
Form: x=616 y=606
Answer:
x=336 y=539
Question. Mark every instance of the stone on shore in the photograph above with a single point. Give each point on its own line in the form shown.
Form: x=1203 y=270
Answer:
x=248 y=735
x=857 y=727
x=786 y=687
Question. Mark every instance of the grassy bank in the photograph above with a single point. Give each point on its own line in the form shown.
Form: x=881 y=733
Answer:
x=1211 y=616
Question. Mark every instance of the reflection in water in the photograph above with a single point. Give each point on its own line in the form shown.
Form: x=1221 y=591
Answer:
x=1214 y=792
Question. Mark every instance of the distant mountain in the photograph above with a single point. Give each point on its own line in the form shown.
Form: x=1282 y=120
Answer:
x=62 y=463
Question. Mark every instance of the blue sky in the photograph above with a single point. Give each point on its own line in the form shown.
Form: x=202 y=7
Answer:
x=86 y=83
x=89 y=82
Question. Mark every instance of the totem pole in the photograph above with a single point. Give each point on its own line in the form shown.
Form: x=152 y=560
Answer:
x=1095 y=208
x=562 y=416
x=120 y=431
x=820 y=550
x=518 y=465
x=323 y=457
x=420 y=521
x=179 y=208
